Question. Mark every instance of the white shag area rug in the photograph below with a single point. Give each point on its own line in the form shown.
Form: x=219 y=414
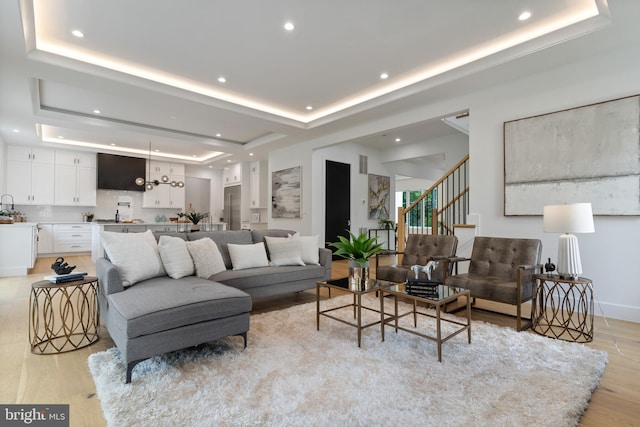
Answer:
x=293 y=375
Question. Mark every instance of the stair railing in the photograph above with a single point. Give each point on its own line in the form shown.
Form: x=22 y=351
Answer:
x=441 y=206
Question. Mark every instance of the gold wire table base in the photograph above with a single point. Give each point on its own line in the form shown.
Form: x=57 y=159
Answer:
x=63 y=317
x=563 y=308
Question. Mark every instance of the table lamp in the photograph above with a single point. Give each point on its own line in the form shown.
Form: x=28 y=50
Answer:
x=568 y=219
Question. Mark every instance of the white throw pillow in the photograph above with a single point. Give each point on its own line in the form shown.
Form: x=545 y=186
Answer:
x=248 y=256
x=283 y=251
x=175 y=257
x=134 y=254
x=206 y=257
x=309 y=248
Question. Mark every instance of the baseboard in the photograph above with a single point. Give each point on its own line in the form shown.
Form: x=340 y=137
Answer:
x=617 y=311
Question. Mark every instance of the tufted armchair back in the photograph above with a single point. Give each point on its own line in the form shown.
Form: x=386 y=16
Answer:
x=495 y=256
x=421 y=247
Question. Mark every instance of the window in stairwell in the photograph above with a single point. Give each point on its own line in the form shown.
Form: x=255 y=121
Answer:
x=421 y=215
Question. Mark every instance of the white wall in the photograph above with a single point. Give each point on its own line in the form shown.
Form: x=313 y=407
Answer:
x=216 y=196
x=359 y=209
x=609 y=256
x=299 y=155
x=3 y=166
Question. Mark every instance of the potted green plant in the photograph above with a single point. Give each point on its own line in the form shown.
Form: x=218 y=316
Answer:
x=358 y=250
x=386 y=224
x=196 y=217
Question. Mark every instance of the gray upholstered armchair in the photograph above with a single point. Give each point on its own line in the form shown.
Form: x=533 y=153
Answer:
x=501 y=270
x=419 y=250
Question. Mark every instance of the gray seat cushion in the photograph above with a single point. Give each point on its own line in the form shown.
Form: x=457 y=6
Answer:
x=163 y=303
x=492 y=288
x=268 y=276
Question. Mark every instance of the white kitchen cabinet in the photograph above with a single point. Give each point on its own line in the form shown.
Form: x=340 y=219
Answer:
x=75 y=185
x=232 y=174
x=164 y=195
x=71 y=237
x=258 y=185
x=30 y=175
x=45 y=239
x=18 y=246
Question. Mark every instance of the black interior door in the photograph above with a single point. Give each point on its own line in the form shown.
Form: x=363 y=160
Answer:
x=337 y=200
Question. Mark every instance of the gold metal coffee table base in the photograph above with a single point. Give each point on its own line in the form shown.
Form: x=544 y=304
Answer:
x=63 y=317
x=440 y=299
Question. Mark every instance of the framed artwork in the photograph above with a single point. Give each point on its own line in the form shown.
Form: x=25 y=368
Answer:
x=379 y=187
x=286 y=191
x=584 y=154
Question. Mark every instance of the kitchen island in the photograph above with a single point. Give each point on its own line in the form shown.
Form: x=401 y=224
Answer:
x=18 y=248
x=140 y=227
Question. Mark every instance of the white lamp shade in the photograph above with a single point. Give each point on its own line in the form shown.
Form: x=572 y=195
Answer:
x=567 y=219
x=570 y=218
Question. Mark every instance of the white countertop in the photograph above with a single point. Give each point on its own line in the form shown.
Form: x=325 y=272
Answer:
x=20 y=224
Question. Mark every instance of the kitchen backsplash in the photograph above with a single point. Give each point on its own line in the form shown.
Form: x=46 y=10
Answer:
x=107 y=202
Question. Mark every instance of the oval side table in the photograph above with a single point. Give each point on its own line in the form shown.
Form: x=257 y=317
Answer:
x=63 y=316
x=563 y=308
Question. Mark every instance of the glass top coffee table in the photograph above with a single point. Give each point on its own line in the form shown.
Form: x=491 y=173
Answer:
x=344 y=284
x=435 y=295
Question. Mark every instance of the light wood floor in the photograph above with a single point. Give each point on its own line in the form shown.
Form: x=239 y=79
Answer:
x=36 y=379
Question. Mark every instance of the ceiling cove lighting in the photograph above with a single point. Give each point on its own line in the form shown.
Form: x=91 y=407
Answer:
x=578 y=16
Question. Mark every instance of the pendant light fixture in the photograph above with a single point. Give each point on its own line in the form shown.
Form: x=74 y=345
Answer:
x=164 y=179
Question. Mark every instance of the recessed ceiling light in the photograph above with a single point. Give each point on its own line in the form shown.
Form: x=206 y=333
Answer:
x=16 y=131
x=218 y=135
x=309 y=107
x=210 y=167
x=96 y=111
x=156 y=150
x=384 y=76
x=228 y=160
x=398 y=140
x=251 y=154
x=524 y=15
x=222 y=79
x=60 y=137
x=289 y=26
x=112 y=144
x=194 y=155
x=77 y=33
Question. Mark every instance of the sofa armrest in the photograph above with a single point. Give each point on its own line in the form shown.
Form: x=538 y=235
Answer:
x=326 y=257
x=109 y=279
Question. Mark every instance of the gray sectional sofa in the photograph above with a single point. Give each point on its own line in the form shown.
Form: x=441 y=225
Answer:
x=161 y=314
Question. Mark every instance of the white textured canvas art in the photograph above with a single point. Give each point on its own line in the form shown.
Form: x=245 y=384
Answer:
x=585 y=154
x=286 y=191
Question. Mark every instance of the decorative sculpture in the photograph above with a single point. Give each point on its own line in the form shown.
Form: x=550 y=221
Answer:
x=61 y=267
x=549 y=267
x=431 y=265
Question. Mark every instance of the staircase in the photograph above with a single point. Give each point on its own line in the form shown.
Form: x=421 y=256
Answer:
x=436 y=211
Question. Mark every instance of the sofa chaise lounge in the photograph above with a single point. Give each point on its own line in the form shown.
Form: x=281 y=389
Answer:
x=160 y=314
